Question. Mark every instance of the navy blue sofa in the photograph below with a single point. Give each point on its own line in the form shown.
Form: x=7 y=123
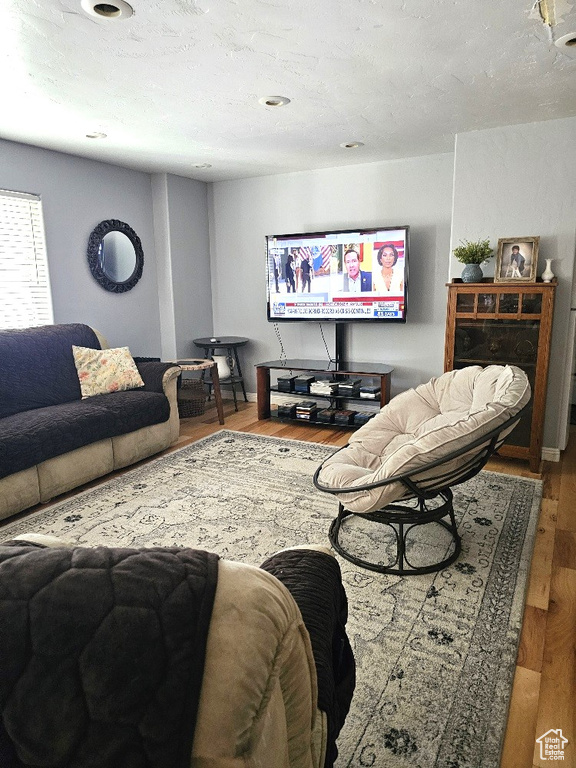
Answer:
x=51 y=440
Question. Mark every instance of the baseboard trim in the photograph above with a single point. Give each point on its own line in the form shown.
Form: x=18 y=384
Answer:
x=551 y=454
x=227 y=394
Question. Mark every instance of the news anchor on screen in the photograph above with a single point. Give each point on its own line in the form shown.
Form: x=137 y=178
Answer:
x=355 y=280
x=388 y=279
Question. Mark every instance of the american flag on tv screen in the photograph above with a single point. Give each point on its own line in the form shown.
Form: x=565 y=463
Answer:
x=321 y=256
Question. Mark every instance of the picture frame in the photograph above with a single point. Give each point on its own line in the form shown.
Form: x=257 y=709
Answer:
x=516 y=260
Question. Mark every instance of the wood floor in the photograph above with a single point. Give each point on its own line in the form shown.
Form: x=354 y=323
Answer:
x=544 y=692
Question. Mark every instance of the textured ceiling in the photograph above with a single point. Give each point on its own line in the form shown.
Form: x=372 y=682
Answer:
x=177 y=84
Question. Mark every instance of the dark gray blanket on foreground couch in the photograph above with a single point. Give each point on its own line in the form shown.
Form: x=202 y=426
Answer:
x=102 y=653
x=315 y=582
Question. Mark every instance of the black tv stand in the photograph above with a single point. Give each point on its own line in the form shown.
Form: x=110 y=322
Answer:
x=322 y=367
x=340 y=334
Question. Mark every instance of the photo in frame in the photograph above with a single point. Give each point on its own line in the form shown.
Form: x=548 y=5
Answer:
x=516 y=260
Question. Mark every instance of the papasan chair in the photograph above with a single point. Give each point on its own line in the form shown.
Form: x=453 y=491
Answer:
x=423 y=442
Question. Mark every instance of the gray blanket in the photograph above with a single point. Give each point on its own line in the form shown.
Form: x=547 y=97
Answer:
x=315 y=582
x=102 y=655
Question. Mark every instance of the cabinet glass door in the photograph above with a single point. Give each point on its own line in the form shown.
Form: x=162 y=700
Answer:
x=500 y=342
x=465 y=302
x=508 y=303
x=487 y=303
x=531 y=304
x=496 y=342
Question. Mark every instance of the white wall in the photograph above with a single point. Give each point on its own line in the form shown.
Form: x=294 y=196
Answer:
x=77 y=194
x=519 y=181
x=416 y=191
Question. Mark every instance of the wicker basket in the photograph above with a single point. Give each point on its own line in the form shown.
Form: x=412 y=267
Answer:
x=191 y=398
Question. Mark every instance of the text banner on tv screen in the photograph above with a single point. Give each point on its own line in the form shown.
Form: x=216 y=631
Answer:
x=340 y=275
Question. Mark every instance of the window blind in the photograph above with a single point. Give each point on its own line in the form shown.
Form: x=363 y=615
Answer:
x=25 y=298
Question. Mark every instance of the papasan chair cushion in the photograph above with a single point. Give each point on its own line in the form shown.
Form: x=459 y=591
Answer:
x=421 y=426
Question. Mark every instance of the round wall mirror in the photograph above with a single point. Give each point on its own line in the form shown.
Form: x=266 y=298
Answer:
x=115 y=256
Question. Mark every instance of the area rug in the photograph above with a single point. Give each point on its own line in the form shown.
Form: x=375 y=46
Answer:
x=435 y=654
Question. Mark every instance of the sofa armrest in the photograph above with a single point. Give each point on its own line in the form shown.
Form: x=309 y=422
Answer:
x=156 y=376
x=163 y=377
x=258 y=699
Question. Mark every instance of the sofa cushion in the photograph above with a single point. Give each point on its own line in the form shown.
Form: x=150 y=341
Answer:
x=38 y=368
x=101 y=371
x=28 y=438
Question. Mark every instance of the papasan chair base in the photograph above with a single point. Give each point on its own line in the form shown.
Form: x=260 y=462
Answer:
x=401 y=519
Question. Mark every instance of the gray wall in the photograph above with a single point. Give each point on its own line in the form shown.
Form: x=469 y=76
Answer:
x=417 y=192
x=76 y=195
x=183 y=249
x=519 y=182
x=190 y=249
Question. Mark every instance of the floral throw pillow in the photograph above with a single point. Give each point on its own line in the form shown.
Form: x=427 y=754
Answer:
x=105 y=370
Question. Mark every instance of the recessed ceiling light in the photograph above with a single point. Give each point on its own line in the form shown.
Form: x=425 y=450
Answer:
x=96 y=135
x=567 y=44
x=203 y=165
x=274 y=101
x=112 y=11
x=352 y=144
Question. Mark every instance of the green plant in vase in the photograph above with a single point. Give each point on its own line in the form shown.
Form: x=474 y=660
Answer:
x=472 y=254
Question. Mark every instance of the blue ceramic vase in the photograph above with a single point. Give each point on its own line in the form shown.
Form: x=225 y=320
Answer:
x=472 y=273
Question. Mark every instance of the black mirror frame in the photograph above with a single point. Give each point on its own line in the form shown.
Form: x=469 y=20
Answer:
x=94 y=243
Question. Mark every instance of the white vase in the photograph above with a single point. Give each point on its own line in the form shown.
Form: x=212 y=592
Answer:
x=547 y=275
x=224 y=366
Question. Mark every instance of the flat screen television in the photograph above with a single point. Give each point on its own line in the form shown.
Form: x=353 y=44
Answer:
x=352 y=274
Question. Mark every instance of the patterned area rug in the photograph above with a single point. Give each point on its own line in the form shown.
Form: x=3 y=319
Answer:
x=435 y=653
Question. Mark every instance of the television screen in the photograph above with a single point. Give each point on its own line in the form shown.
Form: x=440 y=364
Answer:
x=357 y=274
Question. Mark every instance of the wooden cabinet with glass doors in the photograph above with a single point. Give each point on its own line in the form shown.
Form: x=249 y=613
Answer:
x=505 y=324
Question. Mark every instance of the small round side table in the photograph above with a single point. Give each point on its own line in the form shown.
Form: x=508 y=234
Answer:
x=199 y=364
x=230 y=344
